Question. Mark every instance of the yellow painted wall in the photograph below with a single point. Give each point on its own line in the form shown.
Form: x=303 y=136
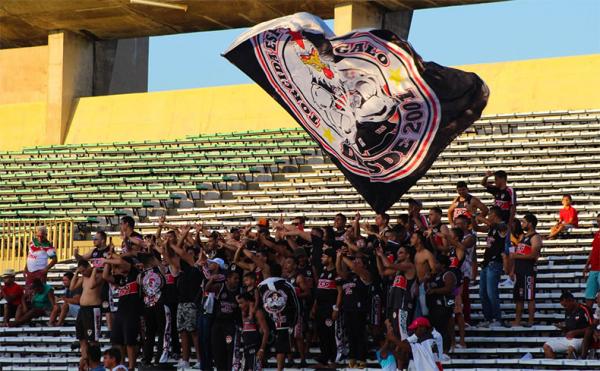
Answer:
x=522 y=86
x=23 y=74
x=22 y=125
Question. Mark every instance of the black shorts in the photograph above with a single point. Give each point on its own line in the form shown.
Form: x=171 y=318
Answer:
x=282 y=343
x=87 y=324
x=125 y=329
x=524 y=289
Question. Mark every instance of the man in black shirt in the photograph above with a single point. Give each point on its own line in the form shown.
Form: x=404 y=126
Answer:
x=491 y=265
x=133 y=242
x=578 y=321
x=227 y=320
x=121 y=272
x=326 y=308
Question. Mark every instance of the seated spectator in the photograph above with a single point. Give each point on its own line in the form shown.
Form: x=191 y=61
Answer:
x=70 y=303
x=12 y=293
x=42 y=303
x=112 y=360
x=567 y=219
x=578 y=320
x=592 y=269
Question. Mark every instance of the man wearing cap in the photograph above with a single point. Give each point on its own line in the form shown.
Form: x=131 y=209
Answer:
x=421 y=344
x=12 y=293
x=40 y=251
x=578 y=321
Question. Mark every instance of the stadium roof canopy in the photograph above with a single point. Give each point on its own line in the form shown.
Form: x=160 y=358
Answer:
x=27 y=22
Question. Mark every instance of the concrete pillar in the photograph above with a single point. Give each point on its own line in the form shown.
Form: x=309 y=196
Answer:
x=352 y=16
x=70 y=72
x=121 y=66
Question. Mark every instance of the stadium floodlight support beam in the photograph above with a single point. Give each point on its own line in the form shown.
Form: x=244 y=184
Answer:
x=355 y=15
x=159 y=4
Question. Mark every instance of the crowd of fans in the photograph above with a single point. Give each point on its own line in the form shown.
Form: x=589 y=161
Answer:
x=274 y=288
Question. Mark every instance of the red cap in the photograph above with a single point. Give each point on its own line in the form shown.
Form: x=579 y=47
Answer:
x=418 y=322
x=263 y=222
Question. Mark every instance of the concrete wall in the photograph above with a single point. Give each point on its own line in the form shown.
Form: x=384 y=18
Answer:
x=23 y=74
x=21 y=125
x=522 y=86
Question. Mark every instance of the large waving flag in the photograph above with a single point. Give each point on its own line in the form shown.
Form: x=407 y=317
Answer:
x=373 y=105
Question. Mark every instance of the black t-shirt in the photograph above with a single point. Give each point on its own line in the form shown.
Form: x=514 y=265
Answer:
x=226 y=305
x=128 y=292
x=440 y=300
x=127 y=246
x=399 y=294
x=356 y=294
x=524 y=266
x=579 y=318
x=170 y=289
x=504 y=199
x=189 y=283
x=326 y=291
x=495 y=246
x=97 y=257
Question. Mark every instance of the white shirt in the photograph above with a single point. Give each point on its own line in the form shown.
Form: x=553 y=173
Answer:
x=39 y=253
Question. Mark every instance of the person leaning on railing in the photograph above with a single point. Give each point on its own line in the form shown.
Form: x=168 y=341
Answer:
x=40 y=259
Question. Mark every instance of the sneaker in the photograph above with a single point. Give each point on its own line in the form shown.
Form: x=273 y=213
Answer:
x=164 y=357
x=507 y=283
x=182 y=364
x=483 y=324
x=496 y=323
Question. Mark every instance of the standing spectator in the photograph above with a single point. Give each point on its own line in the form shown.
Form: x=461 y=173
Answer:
x=567 y=218
x=468 y=269
x=578 y=320
x=417 y=222
x=435 y=232
x=592 y=268
x=70 y=304
x=255 y=332
x=40 y=252
x=42 y=303
x=122 y=272
x=325 y=310
x=506 y=199
x=491 y=265
x=133 y=242
x=465 y=204
x=227 y=321
x=382 y=222
x=339 y=226
x=12 y=293
x=525 y=258
x=87 y=325
x=440 y=298
x=356 y=279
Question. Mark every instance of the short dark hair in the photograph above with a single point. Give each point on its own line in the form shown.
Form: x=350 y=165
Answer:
x=342 y=216
x=94 y=353
x=461 y=184
x=385 y=216
x=404 y=218
x=83 y=263
x=37 y=283
x=437 y=209
x=113 y=352
x=102 y=234
x=531 y=219
x=128 y=220
x=463 y=217
x=568 y=196
x=459 y=233
x=501 y=174
x=69 y=275
x=301 y=219
x=566 y=295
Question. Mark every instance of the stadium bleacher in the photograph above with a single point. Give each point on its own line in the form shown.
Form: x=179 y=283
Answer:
x=232 y=179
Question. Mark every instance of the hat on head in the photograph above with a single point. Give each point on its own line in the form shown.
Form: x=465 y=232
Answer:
x=419 y=322
x=218 y=261
x=263 y=222
x=8 y=273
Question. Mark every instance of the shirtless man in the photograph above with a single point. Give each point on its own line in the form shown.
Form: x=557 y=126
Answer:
x=425 y=267
x=87 y=325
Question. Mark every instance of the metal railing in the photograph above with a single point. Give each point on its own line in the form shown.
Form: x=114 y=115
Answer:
x=16 y=234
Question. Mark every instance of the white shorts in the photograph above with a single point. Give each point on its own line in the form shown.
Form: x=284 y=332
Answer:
x=561 y=345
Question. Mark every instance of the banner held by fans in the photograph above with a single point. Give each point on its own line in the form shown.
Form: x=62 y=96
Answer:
x=367 y=98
